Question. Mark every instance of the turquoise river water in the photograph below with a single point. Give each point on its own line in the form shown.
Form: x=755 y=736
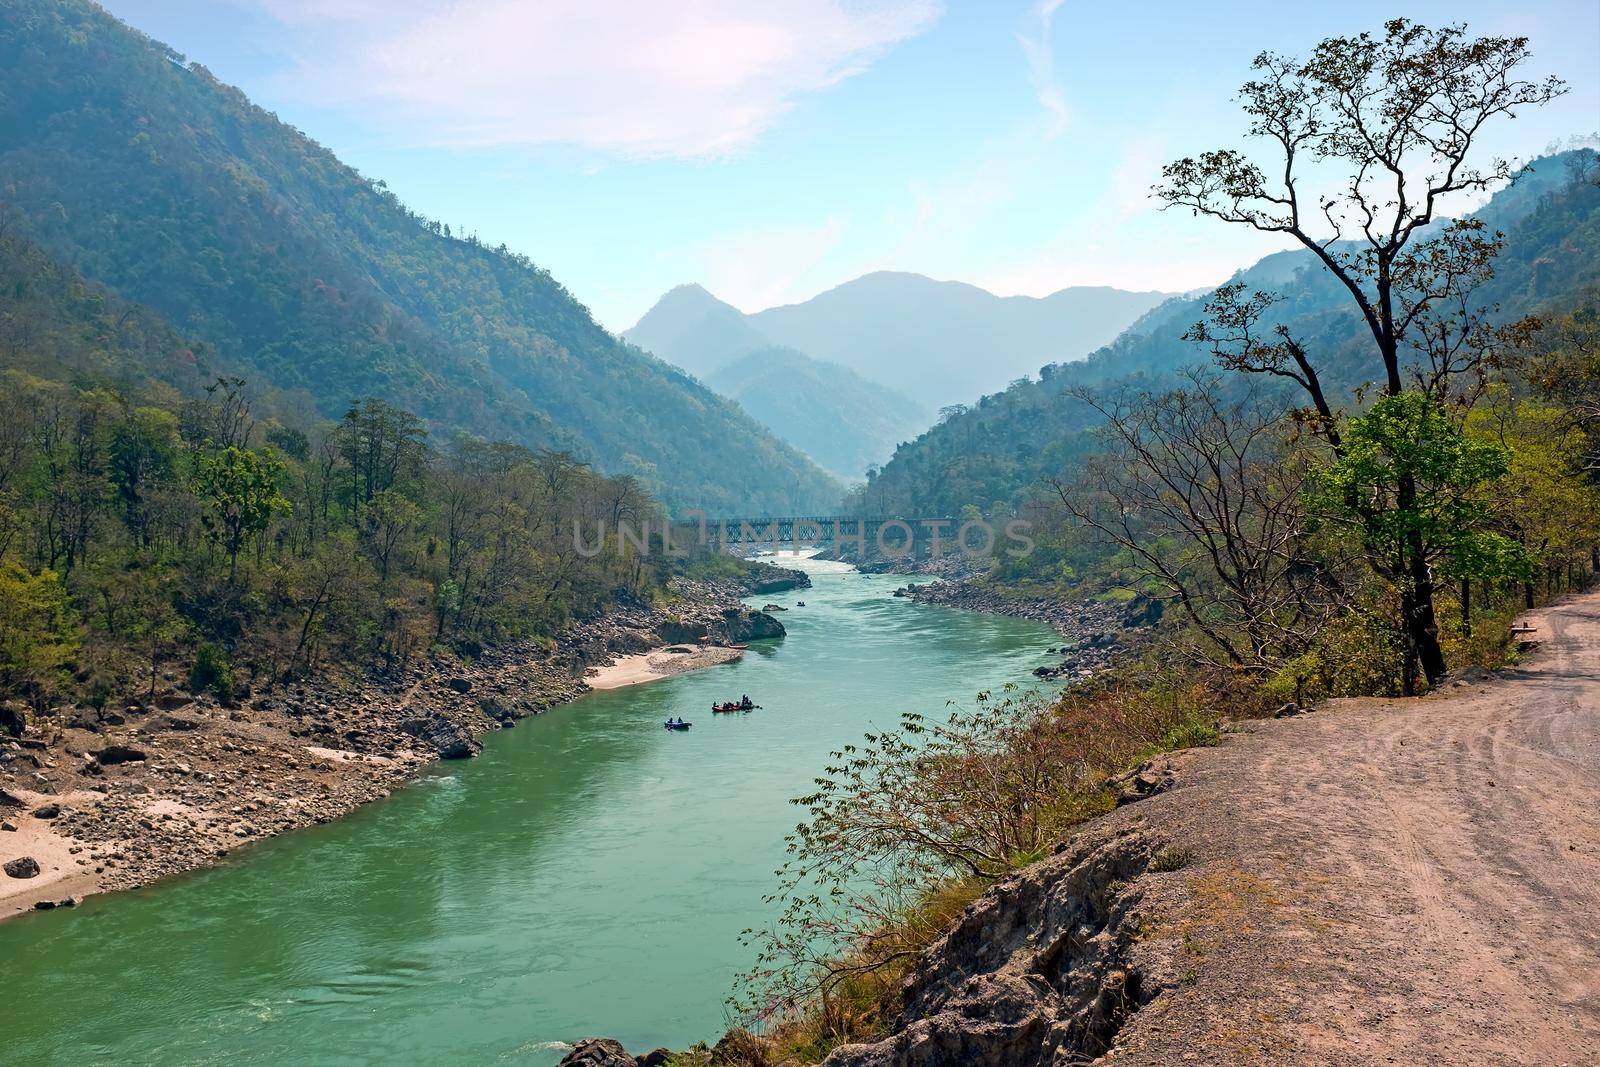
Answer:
x=588 y=874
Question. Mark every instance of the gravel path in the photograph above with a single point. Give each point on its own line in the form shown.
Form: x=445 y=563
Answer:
x=1394 y=881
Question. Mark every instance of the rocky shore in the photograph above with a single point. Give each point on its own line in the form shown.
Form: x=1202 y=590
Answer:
x=91 y=802
x=1094 y=632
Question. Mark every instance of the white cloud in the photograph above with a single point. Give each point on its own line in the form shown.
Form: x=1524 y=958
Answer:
x=1040 y=54
x=640 y=78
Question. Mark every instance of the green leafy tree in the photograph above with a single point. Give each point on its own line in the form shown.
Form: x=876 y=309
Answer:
x=241 y=490
x=37 y=636
x=143 y=456
x=1412 y=486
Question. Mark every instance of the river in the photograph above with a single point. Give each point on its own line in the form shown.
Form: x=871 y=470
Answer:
x=588 y=874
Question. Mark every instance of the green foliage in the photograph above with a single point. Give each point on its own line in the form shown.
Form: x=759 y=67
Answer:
x=240 y=491
x=146 y=524
x=211 y=673
x=37 y=636
x=1409 y=475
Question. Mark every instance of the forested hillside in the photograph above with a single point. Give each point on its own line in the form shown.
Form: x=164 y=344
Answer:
x=838 y=418
x=996 y=454
x=157 y=513
x=146 y=174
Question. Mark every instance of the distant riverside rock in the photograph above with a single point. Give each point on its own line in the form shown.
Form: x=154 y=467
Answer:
x=449 y=739
x=23 y=867
x=598 y=1052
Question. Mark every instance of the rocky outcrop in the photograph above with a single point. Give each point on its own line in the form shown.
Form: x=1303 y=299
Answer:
x=112 y=755
x=1042 y=970
x=448 y=739
x=766 y=578
x=598 y=1052
x=1096 y=633
x=728 y=626
x=742 y=624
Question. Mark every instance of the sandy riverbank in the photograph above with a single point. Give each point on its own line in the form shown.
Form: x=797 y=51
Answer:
x=659 y=663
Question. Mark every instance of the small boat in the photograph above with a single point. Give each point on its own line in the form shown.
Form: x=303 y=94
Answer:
x=679 y=725
x=727 y=709
x=737 y=648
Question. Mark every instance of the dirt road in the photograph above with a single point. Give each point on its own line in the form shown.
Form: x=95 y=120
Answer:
x=1393 y=881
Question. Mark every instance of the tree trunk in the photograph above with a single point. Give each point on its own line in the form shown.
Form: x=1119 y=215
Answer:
x=1466 y=607
x=1421 y=625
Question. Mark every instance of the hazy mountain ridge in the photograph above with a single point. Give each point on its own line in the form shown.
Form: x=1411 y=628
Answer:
x=841 y=420
x=939 y=342
x=907 y=345
x=173 y=190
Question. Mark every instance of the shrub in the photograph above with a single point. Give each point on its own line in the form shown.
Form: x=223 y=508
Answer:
x=211 y=673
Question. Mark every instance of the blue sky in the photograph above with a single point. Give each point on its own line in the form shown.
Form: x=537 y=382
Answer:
x=770 y=149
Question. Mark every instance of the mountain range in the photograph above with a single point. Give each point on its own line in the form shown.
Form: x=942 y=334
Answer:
x=911 y=345
x=141 y=172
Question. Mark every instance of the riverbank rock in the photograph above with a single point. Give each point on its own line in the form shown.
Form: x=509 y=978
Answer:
x=598 y=1052
x=769 y=579
x=1040 y=971
x=22 y=867
x=447 y=738
x=741 y=624
x=681 y=631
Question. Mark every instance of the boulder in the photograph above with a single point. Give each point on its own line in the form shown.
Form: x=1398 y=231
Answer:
x=1142 y=611
x=598 y=1052
x=448 y=739
x=627 y=641
x=9 y=799
x=13 y=718
x=1146 y=780
x=659 y=1057
x=681 y=631
x=459 y=685
x=22 y=867
x=48 y=811
x=777 y=580
x=743 y=625
x=112 y=755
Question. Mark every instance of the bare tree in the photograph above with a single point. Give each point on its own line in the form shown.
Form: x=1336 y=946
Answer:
x=1399 y=117
x=1202 y=493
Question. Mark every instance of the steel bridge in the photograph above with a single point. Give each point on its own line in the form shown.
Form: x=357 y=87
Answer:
x=818 y=529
